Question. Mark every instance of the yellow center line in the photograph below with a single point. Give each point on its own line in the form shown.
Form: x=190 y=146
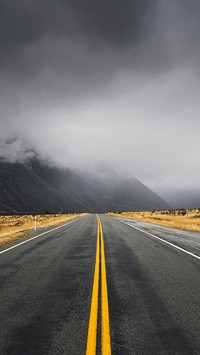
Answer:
x=105 y=327
x=92 y=329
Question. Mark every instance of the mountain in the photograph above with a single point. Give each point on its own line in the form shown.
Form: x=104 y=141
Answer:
x=182 y=198
x=36 y=187
x=124 y=194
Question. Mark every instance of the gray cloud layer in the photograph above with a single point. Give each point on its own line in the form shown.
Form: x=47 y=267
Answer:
x=104 y=81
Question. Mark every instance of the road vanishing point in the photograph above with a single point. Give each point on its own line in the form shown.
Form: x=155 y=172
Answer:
x=101 y=285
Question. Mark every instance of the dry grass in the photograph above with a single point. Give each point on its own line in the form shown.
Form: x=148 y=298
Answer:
x=180 y=219
x=16 y=227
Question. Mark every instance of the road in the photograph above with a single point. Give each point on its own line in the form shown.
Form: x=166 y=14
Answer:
x=153 y=288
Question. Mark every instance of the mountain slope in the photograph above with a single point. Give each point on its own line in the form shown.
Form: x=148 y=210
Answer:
x=183 y=198
x=38 y=188
x=121 y=194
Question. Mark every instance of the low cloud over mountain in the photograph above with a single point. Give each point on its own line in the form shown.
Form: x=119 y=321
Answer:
x=35 y=187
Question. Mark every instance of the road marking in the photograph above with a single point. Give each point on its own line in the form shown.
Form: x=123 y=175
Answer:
x=163 y=240
x=37 y=236
x=92 y=329
x=105 y=326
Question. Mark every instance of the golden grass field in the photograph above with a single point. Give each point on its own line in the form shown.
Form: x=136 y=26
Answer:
x=16 y=227
x=180 y=219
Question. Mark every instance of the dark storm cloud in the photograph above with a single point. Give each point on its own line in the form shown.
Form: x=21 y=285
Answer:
x=134 y=34
x=25 y=21
x=88 y=40
x=60 y=50
x=117 y=22
x=74 y=41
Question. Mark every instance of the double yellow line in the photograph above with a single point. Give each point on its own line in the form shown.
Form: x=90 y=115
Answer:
x=105 y=327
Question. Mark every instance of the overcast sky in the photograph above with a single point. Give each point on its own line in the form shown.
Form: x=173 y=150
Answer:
x=103 y=82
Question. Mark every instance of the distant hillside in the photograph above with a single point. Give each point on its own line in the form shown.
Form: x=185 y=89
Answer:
x=183 y=198
x=120 y=194
x=38 y=188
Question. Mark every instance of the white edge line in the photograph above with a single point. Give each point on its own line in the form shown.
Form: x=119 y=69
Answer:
x=37 y=236
x=162 y=240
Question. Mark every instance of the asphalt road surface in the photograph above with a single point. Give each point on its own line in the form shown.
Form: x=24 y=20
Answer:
x=153 y=291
